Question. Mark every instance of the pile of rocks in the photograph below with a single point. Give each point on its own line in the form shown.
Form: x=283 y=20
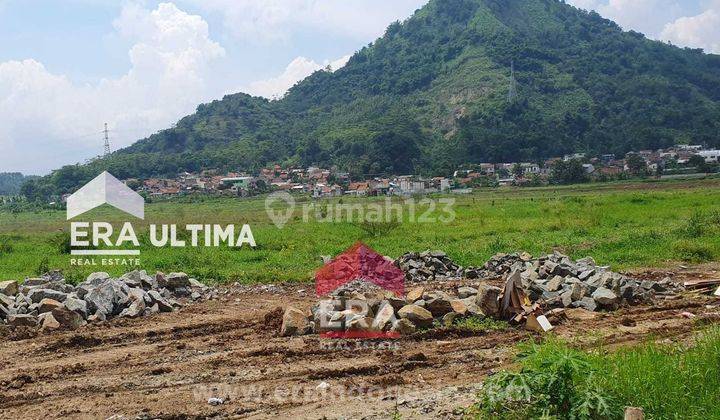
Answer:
x=554 y=279
x=427 y=266
x=558 y=281
x=385 y=313
x=49 y=302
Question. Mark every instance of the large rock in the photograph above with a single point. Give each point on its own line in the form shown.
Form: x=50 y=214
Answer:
x=472 y=307
x=136 y=309
x=22 y=320
x=459 y=307
x=384 y=317
x=587 y=303
x=77 y=305
x=67 y=318
x=438 y=303
x=174 y=281
x=415 y=294
x=36 y=295
x=95 y=279
x=48 y=322
x=488 y=300
x=554 y=284
x=47 y=305
x=294 y=322
x=109 y=298
x=157 y=299
x=421 y=317
x=9 y=288
x=605 y=297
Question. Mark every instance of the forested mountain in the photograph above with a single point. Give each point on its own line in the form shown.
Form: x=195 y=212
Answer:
x=435 y=92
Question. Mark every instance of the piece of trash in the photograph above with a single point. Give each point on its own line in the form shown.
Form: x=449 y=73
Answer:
x=634 y=413
x=688 y=315
x=717 y=292
x=538 y=323
x=216 y=401
x=323 y=386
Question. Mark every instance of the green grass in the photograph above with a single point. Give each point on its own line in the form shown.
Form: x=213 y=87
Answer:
x=626 y=225
x=557 y=381
x=477 y=324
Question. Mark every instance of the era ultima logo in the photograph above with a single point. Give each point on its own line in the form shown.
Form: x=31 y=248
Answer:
x=346 y=317
x=87 y=237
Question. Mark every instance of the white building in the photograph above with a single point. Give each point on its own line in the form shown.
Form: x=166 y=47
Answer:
x=710 y=156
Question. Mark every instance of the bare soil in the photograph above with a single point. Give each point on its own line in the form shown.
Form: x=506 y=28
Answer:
x=170 y=365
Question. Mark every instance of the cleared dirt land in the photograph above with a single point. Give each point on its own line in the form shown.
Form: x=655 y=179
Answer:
x=170 y=365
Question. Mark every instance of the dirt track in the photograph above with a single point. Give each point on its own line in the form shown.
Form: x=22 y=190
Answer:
x=169 y=365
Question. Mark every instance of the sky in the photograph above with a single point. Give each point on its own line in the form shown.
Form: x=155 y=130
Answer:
x=69 y=66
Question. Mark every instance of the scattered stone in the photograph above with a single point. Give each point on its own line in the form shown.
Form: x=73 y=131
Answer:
x=448 y=319
x=295 y=322
x=403 y=327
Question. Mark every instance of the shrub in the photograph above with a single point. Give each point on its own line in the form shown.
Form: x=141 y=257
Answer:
x=555 y=382
x=693 y=252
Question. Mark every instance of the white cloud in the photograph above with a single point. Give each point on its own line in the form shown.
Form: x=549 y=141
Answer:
x=646 y=16
x=47 y=115
x=297 y=70
x=272 y=20
x=701 y=31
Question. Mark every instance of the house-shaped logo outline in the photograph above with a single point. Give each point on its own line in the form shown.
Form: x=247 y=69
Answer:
x=105 y=189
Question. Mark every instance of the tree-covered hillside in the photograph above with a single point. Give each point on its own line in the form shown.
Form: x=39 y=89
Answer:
x=10 y=182
x=433 y=93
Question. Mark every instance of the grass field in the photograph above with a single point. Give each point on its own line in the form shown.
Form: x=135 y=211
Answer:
x=626 y=225
x=555 y=380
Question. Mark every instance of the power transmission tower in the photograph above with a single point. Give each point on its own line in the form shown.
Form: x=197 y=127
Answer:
x=512 y=93
x=107 y=141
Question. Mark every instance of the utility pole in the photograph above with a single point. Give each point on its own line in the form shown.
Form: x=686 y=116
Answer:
x=512 y=93
x=107 y=141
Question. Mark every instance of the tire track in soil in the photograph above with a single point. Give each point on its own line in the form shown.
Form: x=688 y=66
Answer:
x=163 y=366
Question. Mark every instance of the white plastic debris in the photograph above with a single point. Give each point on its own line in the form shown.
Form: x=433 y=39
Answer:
x=323 y=386
x=216 y=401
x=538 y=323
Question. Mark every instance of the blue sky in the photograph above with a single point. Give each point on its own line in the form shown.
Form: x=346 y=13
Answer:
x=68 y=66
